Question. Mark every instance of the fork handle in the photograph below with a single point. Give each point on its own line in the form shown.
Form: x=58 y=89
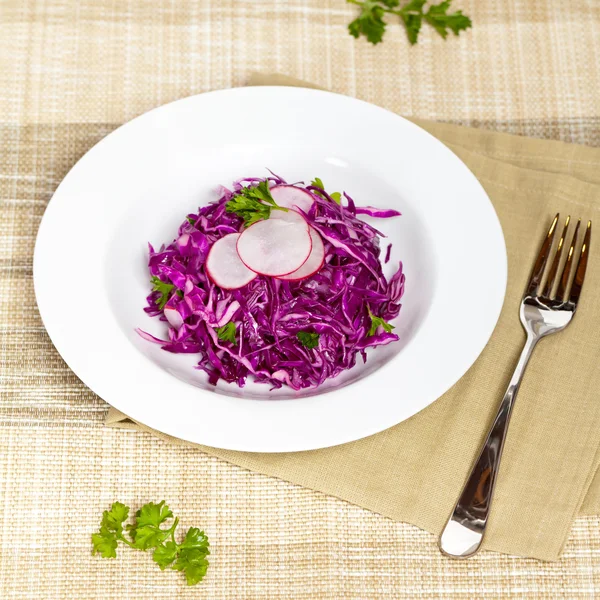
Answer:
x=463 y=533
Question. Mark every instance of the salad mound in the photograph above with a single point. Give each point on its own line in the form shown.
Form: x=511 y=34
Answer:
x=279 y=282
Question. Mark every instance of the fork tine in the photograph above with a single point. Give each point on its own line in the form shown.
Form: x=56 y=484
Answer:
x=554 y=268
x=581 y=266
x=542 y=259
x=564 y=278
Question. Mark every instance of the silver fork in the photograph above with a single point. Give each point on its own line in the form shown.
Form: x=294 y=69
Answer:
x=543 y=312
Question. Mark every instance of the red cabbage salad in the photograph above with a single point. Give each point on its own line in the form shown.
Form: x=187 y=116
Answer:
x=280 y=283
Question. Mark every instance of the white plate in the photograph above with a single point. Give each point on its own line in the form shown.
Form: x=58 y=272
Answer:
x=138 y=183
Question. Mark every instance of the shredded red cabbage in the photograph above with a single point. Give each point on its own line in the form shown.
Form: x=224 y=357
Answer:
x=337 y=303
x=388 y=253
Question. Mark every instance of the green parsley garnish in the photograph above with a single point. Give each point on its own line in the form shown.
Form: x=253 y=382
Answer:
x=335 y=196
x=191 y=221
x=376 y=323
x=165 y=290
x=308 y=339
x=253 y=203
x=371 y=24
x=145 y=533
x=227 y=333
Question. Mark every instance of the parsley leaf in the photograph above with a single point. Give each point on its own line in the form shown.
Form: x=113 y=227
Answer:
x=104 y=543
x=164 y=289
x=376 y=323
x=114 y=518
x=194 y=538
x=249 y=209
x=193 y=563
x=153 y=514
x=414 y=6
x=191 y=221
x=192 y=556
x=335 y=196
x=148 y=536
x=412 y=17
x=253 y=203
x=308 y=339
x=227 y=332
x=438 y=17
x=163 y=556
x=111 y=530
x=146 y=533
x=371 y=24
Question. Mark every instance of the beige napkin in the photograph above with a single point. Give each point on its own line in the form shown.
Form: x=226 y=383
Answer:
x=414 y=471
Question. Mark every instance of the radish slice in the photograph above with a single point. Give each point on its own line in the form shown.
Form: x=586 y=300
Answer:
x=173 y=316
x=291 y=216
x=288 y=196
x=276 y=246
x=224 y=266
x=313 y=263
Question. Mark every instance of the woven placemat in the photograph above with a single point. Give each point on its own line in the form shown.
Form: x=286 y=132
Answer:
x=69 y=74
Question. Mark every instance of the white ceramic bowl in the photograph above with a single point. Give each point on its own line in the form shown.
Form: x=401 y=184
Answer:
x=138 y=183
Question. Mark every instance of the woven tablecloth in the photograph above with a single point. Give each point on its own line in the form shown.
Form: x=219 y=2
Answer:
x=70 y=72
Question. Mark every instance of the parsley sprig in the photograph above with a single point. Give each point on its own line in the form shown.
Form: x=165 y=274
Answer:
x=335 y=196
x=164 y=289
x=376 y=323
x=227 y=333
x=253 y=203
x=146 y=534
x=308 y=339
x=370 y=21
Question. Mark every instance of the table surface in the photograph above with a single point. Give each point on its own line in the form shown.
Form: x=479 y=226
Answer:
x=70 y=72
